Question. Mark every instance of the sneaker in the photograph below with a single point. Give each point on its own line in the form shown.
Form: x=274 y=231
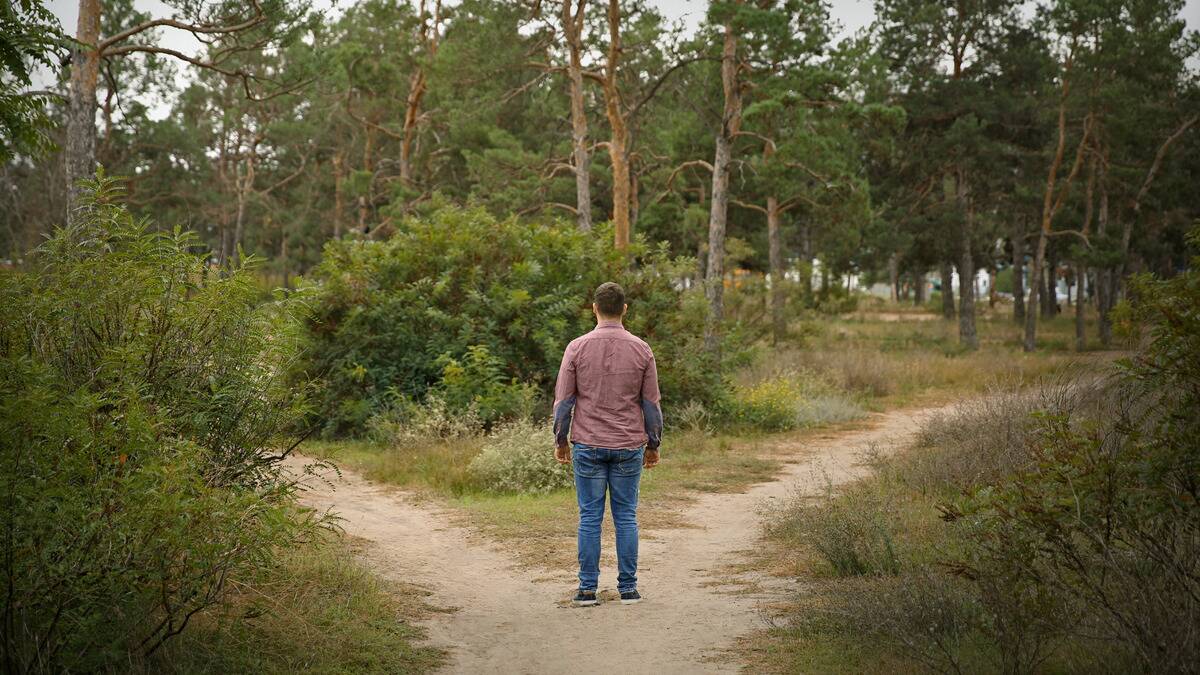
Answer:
x=631 y=597
x=585 y=599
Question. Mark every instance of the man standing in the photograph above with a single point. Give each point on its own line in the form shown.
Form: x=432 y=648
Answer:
x=608 y=380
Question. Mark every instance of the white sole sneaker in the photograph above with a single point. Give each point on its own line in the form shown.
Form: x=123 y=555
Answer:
x=585 y=603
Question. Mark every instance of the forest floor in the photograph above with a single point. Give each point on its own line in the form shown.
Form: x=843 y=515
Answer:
x=503 y=614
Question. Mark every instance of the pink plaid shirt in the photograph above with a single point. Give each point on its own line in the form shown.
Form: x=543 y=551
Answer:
x=609 y=380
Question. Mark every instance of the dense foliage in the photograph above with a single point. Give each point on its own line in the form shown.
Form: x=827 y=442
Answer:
x=924 y=145
x=473 y=309
x=141 y=392
x=1104 y=522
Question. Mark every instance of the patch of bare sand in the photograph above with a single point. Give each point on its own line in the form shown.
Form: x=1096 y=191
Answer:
x=507 y=618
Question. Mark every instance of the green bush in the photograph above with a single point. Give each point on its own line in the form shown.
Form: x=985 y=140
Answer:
x=788 y=401
x=851 y=533
x=1103 y=522
x=516 y=458
x=477 y=383
x=404 y=423
x=458 y=288
x=141 y=394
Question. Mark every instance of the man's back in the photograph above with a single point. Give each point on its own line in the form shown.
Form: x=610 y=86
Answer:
x=609 y=377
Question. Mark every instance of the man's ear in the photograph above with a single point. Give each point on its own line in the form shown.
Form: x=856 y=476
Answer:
x=625 y=311
x=596 y=310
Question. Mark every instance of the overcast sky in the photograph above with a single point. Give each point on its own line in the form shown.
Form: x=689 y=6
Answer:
x=850 y=14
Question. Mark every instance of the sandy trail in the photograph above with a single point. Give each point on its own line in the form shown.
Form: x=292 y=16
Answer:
x=509 y=619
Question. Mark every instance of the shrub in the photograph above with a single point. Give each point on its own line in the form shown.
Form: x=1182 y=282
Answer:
x=852 y=533
x=394 y=314
x=141 y=398
x=404 y=423
x=517 y=458
x=791 y=400
x=692 y=416
x=1105 y=517
x=926 y=616
x=477 y=384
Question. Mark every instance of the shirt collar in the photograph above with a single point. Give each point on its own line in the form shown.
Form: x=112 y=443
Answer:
x=609 y=323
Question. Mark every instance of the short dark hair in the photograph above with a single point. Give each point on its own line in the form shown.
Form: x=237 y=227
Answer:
x=610 y=299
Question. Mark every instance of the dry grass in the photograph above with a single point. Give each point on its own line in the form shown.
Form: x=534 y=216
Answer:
x=321 y=611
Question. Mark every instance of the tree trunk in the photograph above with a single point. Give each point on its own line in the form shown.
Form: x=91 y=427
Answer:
x=1104 y=277
x=245 y=186
x=947 y=274
x=918 y=288
x=417 y=85
x=1050 y=205
x=618 y=144
x=992 y=286
x=730 y=124
x=1049 y=291
x=80 y=151
x=894 y=276
x=775 y=260
x=573 y=29
x=967 y=335
x=1018 y=276
x=1080 y=268
x=339 y=195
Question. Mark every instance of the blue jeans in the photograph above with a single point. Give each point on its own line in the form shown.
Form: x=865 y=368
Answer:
x=619 y=471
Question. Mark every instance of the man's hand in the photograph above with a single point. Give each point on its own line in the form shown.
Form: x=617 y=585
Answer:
x=563 y=454
x=650 y=459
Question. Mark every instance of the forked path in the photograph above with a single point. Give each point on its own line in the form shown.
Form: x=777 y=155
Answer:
x=509 y=619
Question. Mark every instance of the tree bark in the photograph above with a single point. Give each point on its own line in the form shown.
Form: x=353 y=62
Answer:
x=918 y=279
x=1051 y=203
x=1050 y=286
x=894 y=276
x=572 y=23
x=1018 y=274
x=417 y=85
x=775 y=261
x=80 y=151
x=1080 y=268
x=1104 y=276
x=947 y=273
x=245 y=185
x=339 y=195
x=967 y=335
x=618 y=144
x=730 y=124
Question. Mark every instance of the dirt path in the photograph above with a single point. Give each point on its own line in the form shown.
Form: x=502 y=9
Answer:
x=512 y=620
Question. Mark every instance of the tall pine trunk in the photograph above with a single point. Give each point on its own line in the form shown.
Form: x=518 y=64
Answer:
x=714 y=283
x=618 y=144
x=946 y=271
x=573 y=28
x=775 y=261
x=1105 y=277
x=80 y=150
x=1018 y=276
x=967 y=335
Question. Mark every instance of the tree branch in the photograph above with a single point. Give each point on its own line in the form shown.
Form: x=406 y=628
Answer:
x=258 y=17
x=209 y=65
x=745 y=205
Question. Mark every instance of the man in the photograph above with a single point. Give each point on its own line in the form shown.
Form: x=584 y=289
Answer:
x=609 y=382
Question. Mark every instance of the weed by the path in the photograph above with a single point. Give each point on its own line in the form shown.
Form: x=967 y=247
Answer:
x=320 y=611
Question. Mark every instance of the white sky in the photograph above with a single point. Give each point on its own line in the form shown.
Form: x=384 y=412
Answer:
x=852 y=15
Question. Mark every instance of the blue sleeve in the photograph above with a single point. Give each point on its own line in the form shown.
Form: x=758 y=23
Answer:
x=562 y=420
x=652 y=416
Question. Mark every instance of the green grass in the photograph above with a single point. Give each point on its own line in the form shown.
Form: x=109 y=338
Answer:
x=320 y=611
